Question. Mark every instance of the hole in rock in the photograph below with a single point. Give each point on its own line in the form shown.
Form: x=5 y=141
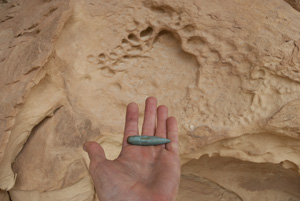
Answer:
x=52 y=10
x=133 y=38
x=162 y=9
x=102 y=56
x=161 y=33
x=158 y=10
x=124 y=42
x=196 y=43
x=92 y=59
x=135 y=50
x=146 y=34
x=189 y=29
x=113 y=55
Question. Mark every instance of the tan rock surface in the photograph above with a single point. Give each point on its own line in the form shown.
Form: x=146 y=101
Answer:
x=294 y=3
x=251 y=181
x=228 y=70
x=27 y=34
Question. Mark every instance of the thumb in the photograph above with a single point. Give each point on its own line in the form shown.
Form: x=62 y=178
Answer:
x=95 y=151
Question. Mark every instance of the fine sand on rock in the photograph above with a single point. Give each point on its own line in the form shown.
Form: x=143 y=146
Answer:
x=228 y=70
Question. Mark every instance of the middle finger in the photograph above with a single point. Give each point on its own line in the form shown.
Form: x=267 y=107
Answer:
x=149 y=117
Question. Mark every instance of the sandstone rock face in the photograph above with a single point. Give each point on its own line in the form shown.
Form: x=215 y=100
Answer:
x=228 y=70
x=294 y=3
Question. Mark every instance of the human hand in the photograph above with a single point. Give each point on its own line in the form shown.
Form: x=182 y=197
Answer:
x=140 y=173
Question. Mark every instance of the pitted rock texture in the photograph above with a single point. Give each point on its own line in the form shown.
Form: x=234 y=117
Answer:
x=228 y=70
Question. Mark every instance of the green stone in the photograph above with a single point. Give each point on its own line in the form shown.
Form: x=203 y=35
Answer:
x=143 y=140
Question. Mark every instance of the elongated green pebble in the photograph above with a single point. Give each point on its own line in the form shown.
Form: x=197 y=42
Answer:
x=143 y=140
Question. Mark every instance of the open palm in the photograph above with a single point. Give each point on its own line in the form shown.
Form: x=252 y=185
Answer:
x=140 y=172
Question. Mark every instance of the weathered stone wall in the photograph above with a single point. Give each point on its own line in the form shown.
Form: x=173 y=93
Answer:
x=228 y=70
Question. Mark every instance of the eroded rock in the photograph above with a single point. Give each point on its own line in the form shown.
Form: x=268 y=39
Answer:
x=228 y=70
x=251 y=181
